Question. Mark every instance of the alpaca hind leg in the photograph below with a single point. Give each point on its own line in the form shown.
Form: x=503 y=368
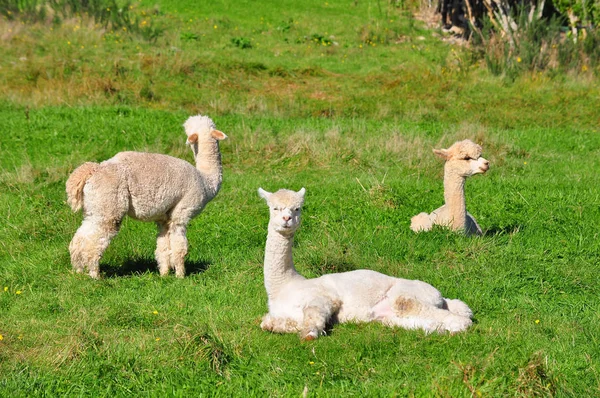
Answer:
x=89 y=243
x=421 y=291
x=458 y=307
x=105 y=203
x=163 y=248
x=414 y=314
x=404 y=312
x=179 y=249
x=411 y=313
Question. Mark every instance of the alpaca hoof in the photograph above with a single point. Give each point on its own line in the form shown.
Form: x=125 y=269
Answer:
x=311 y=335
x=94 y=275
x=265 y=327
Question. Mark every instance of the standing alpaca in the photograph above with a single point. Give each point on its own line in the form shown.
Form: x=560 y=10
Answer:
x=147 y=187
x=463 y=159
x=297 y=304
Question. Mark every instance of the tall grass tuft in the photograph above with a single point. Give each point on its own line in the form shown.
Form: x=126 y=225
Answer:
x=109 y=14
x=535 y=45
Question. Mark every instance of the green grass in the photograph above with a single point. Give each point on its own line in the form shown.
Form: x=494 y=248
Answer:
x=358 y=135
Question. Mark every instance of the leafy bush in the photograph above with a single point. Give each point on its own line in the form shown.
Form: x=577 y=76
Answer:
x=528 y=42
x=579 y=12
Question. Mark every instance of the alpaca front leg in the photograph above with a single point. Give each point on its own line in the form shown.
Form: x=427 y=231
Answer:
x=89 y=243
x=278 y=325
x=179 y=248
x=316 y=316
x=421 y=222
x=163 y=248
x=313 y=324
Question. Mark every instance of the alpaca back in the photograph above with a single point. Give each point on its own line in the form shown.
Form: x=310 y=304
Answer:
x=160 y=183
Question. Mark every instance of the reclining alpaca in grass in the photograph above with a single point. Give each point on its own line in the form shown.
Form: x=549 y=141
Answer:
x=147 y=187
x=306 y=306
x=463 y=159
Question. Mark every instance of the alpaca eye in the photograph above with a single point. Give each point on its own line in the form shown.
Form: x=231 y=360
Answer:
x=297 y=209
x=276 y=208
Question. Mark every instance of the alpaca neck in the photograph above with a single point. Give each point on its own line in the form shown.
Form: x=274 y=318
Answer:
x=279 y=265
x=454 y=196
x=208 y=163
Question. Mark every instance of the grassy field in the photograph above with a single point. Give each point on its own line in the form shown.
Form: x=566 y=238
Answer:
x=346 y=100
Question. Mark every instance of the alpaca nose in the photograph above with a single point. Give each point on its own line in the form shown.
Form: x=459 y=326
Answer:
x=286 y=218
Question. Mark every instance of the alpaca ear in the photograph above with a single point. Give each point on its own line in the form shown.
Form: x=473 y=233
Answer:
x=192 y=138
x=264 y=194
x=301 y=192
x=218 y=135
x=442 y=153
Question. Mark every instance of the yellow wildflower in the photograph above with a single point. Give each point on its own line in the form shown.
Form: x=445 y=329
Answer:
x=537 y=321
x=18 y=292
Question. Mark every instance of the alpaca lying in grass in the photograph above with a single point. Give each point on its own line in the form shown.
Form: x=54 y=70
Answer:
x=306 y=306
x=463 y=159
x=148 y=187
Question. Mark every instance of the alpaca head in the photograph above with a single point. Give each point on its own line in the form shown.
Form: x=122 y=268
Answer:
x=201 y=129
x=285 y=207
x=463 y=158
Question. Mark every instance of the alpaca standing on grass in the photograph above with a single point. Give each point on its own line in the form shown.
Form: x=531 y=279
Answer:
x=463 y=159
x=147 y=187
x=306 y=306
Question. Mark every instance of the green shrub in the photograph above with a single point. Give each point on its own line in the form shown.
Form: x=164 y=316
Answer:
x=537 y=44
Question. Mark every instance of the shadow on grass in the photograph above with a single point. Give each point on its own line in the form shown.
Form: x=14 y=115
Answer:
x=505 y=230
x=329 y=266
x=138 y=266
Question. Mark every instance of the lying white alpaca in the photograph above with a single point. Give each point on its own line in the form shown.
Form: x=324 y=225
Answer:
x=297 y=304
x=463 y=159
x=147 y=187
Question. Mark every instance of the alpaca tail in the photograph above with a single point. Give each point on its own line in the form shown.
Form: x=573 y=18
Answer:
x=76 y=182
